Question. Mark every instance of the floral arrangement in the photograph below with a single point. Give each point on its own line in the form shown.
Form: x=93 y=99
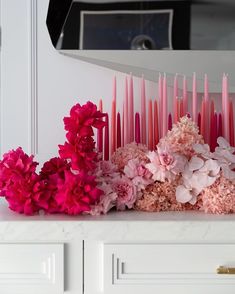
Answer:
x=181 y=173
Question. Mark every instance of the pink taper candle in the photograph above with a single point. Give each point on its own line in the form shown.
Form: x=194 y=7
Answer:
x=175 y=97
x=207 y=109
x=131 y=110
x=185 y=95
x=118 y=130
x=169 y=122
x=213 y=138
x=106 y=138
x=123 y=123
x=137 y=128
x=143 y=112
x=231 y=123
x=226 y=108
x=211 y=118
x=113 y=127
x=113 y=117
x=164 y=107
x=203 y=118
x=100 y=131
x=150 y=125
x=155 y=125
x=194 y=102
x=220 y=126
x=160 y=104
x=126 y=114
x=199 y=122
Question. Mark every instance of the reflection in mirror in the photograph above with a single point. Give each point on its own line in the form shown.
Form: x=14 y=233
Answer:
x=141 y=25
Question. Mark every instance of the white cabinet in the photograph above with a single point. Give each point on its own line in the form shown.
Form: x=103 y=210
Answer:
x=31 y=268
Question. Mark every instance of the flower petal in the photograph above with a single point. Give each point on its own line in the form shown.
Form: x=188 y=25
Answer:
x=183 y=195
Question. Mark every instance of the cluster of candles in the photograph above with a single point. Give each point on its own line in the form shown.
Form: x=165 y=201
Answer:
x=153 y=120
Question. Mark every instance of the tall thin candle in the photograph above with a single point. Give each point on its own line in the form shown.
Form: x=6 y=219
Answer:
x=203 y=118
x=143 y=112
x=185 y=95
x=226 y=109
x=169 y=122
x=113 y=117
x=194 y=102
x=164 y=107
x=199 y=122
x=231 y=123
x=100 y=131
x=106 y=138
x=126 y=125
x=212 y=114
x=131 y=109
x=155 y=125
x=123 y=123
x=118 y=130
x=175 y=96
x=150 y=125
x=160 y=103
x=220 y=126
x=137 y=128
x=207 y=109
x=213 y=138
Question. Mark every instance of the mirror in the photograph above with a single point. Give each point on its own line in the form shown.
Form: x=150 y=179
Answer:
x=142 y=25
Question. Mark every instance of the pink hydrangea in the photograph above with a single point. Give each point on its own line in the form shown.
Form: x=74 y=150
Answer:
x=128 y=152
x=165 y=164
x=219 y=198
x=126 y=192
x=182 y=137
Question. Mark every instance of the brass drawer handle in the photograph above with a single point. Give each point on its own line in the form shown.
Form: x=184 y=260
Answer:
x=222 y=270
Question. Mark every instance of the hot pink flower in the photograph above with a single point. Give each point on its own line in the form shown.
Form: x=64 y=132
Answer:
x=126 y=192
x=77 y=193
x=82 y=119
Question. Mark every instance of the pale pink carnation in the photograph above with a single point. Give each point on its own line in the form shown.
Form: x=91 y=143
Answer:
x=220 y=197
x=128 y=152
x=182 y=137
x=126 y=192
x=161 y=197
x=165 y=164
x=105 y=171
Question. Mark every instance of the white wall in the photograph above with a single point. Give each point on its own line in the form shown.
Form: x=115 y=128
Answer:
x=39 y=85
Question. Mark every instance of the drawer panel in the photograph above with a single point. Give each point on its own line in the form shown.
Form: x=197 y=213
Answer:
x=31 y=268
x=162 y=268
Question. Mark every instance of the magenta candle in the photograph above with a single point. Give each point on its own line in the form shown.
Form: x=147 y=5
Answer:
x=155 y=125
x=160 y=104
x=164 y=107
x=143 y=112
x=106 y=138
x=213 y=139
x=169 y=122
x=207 y=109
x=118 y=130
x=131 y=110
x=199 y=122
x=220 y=126
x=226 y=109
x=126 y=114
x=137 y=128
x=185 y=95
x=150 y=125
x=113 y=117
x=194 y=102
x=175 y=97
x=100 y=131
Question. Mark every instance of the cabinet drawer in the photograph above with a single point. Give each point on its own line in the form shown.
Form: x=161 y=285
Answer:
x=31 y=268
x=165 y=268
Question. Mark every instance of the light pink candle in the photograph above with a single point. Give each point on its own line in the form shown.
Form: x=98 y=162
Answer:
x=175 y=97
x=143 y=112
x=106 y=138
x=137 y=127
x=100 y=131
x=164 y=107
x=231 y=123
x=155 y=125
x=194 y=102
x=213 y=139
x=123 y=122
x=185 y=95
x=118 y=130
x=160 y=104
x=226 y=109
x=207 y=109
x=150 y=125
x=126 y=118
x=131 y=109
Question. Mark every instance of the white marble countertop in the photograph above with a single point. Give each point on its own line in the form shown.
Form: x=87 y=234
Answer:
x=124 y=226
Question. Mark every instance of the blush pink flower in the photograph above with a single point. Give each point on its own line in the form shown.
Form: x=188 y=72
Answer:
x=77 y=193
x=165 y=164
x=126 y=192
